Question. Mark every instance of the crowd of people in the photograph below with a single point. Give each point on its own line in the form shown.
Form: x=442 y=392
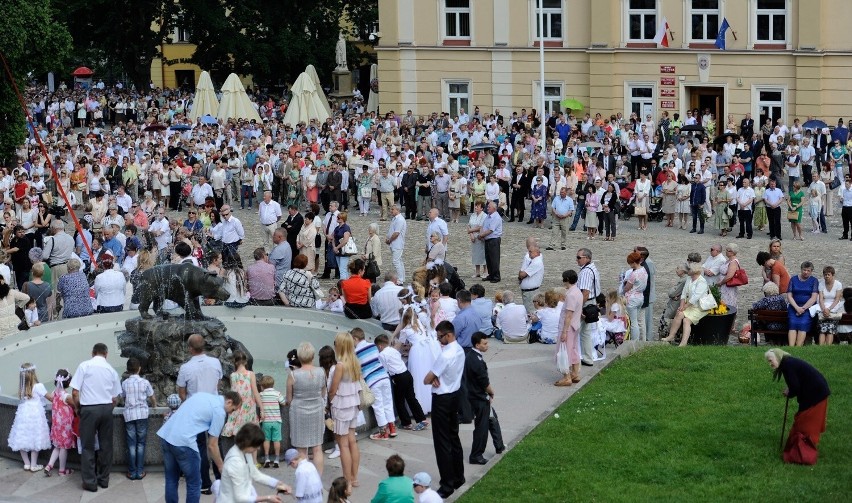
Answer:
x=132 y=164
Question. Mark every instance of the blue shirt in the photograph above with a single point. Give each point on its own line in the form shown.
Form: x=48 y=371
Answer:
x=465 y=324
x=200 y=412
x=564 y=130
x=371 y=368
x=562 y=206
x=484 y=309
x=494 y=222
x=114 y=246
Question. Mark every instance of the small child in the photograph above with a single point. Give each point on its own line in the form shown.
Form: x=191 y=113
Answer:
x=422 y=486
x=403 y=386
x=138 y=395
x=332 y=302
x=61 y=427
x=173 y=402
x=271 y=401
x=308 y=486
x=615 y=319
x=31 y=313
x=389 y=488
x=340 y=491
x=30 y=432
x=815 y=207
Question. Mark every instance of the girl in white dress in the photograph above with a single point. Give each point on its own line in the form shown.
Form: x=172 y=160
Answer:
x=420 y=358
x=30 y=432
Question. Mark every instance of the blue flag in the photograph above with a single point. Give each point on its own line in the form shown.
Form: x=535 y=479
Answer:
x=720 y=38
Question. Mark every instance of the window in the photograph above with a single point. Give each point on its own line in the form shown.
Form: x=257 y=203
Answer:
x=551 y=10
x=772 y=21
x=181 y=34
x=770 y=104
x=552 y=97
x=704 y=20
x=458 y=97
x=642 y=20
x=457 y=18
x=640 y=99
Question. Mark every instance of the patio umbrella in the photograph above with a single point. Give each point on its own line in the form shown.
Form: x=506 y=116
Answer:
x=305 y=103
x=484 y=146
x=572 y=104
x=592 y=144
x=155 y=127
x=814 y=124
x=373 y=100
x=205 y=101
x=180 y=127
x=722 y=138
x=83 y=72
x=209 y=120
x=235 y=102
x=312 y=73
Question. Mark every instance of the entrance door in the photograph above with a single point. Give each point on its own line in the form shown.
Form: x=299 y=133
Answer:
x=185 y=79
x=709 y=98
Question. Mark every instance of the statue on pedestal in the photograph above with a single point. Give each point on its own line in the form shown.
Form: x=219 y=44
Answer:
x=340 y=54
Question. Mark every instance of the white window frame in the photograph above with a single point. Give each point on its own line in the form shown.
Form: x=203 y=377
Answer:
x=629 y=99
x=447 y=96
x=755 y=99
x=625 y=21
x=180 y=35
x=548 y=11
x=443 y=10
x=536 y=93
x=703 y=12
x=788 y=24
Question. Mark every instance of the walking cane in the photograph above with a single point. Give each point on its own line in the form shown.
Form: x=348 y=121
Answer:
x=784 y=425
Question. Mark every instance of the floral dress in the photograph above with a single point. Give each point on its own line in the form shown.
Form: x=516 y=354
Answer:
x=539 y=208
x=247 y=411
x=62 y=418
x=294 y=189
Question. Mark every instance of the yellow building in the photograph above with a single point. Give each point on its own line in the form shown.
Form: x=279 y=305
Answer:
x=174 y=68
x=783 y=58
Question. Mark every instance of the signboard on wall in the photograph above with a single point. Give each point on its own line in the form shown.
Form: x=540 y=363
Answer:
x=667 y=104
x=667 y=81
x=667 y=93
x=667 y=69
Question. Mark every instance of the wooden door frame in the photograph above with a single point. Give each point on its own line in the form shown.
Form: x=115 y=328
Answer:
x=685 y=92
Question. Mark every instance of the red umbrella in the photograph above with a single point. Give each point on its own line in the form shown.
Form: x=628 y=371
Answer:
x=155 y=127
x=83 y=72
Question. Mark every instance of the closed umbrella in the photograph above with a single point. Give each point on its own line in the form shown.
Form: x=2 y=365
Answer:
x=305 y=104
x=312 y=73
x=235 y=102
x=373 y=100
x=205 y=101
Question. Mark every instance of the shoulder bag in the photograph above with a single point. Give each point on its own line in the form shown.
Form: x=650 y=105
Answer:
x=739 y=278
x=371 y=270
x=834 y=183
x=350 y=248
x=707 y=302
x=367 y=396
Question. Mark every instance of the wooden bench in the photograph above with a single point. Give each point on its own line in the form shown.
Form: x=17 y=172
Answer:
x=764 y=317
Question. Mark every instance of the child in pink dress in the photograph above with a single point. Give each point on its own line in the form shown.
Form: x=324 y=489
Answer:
x=62 y=418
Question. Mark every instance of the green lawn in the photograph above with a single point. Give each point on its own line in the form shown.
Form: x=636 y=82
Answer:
x=666 y=424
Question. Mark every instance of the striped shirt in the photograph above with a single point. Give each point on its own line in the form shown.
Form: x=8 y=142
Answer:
x=136 y=391
x=371 y=368
x=271 y=401
x=590 y=280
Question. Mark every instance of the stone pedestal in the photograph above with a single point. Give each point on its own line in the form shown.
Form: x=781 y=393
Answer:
x=160 y=346
x=342 y=86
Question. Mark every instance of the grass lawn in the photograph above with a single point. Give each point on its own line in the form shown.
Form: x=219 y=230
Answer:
x=667 y=424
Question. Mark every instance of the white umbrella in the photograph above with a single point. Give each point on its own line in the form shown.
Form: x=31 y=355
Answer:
x=312 y=73
x=235 y=102
x=373 y=100
x=305 y=103
x=205 y=102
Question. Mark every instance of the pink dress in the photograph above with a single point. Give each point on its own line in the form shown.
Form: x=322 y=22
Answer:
x=573 y=302
x=247 y=411
x=62 y=418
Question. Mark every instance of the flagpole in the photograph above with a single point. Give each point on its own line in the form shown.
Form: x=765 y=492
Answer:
x=541 y=118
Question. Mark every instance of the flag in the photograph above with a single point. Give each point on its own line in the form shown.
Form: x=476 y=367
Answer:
x=720 y=38
x=662 y=33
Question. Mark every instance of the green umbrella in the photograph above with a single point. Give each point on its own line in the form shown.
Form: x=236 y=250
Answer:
x=571 y=104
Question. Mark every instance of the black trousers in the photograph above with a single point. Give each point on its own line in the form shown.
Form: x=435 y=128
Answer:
x=481 y=412
x=774 y=216
x=445 y=436
x=732 y=222
x=410 y=204
x=807 y=174
x=745 y=222
x=201 y=443
x=95 y=465
x=610 y=222
x=492 y=257
x=518 y=205
x=846 y=215
x=402 y=387
x=697 y=215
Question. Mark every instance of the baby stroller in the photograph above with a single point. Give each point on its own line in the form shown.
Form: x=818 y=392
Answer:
x=655 y=209
x=627 y=198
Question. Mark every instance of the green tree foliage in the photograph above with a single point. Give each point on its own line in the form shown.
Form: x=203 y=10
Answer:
x=33 y=44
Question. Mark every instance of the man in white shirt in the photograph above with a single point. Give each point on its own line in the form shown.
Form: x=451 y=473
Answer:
x=386 y=304
x=396 y=239
x=773 y=197
x=713 y=263
x=95 y=388
x=531 y=274
x=512 y=320
x=159 y=228
x=807 y=154
x=745 y=199
x=122 y=199
x=329 y=224
x=230 y=232
x=270 y=214
x=436 y=224
x=200 y=192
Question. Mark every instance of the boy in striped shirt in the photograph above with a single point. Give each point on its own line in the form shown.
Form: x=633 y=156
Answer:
x=271 y=401
x=378 y=380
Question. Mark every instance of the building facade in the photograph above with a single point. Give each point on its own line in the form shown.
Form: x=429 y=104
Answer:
x=783 y=58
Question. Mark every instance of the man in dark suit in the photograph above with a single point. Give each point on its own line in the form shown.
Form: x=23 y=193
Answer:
x=756 y=144
x=335 y=180
x=480 y=394
x=520 y=188
x=747 y=126
x=822 y=144
x=607 y=160
x=293 y=225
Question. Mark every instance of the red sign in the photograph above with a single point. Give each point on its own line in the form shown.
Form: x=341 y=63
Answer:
x=667 y=69
x=667 y=81
x=667 y=104
x=668 y=93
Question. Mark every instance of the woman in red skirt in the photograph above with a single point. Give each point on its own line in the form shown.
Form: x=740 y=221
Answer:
x=810 y=389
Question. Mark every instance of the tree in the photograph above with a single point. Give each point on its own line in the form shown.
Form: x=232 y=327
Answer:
x=33 y=43
x=127 y=34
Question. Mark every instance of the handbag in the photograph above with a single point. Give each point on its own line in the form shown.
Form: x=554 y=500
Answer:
x=739 y=278
x=367 y=396
x=350 y=248
x=371 y=269
x=793 y=215
x=707 y=302
x=366 y=192
x=640 y=211
x=834 y=183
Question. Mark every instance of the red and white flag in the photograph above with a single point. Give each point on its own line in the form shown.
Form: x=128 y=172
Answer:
x=662 y=37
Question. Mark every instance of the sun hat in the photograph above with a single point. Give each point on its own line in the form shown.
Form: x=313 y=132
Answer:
x=422 y=479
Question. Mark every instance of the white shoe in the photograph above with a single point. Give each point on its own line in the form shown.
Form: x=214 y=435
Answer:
x=335 y=454
x=329 y=451
x=36 y=468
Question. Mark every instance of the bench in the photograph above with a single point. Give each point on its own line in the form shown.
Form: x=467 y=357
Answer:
x=764 y=317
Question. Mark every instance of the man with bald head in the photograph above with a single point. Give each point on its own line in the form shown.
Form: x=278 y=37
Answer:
x=201 y=374
x=531 y=274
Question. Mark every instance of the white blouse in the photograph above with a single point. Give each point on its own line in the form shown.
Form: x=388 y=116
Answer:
x=109 y=288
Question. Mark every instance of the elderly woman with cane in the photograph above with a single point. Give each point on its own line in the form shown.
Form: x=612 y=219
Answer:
x=810 y=389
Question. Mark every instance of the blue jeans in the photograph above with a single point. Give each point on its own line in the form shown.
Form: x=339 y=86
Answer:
x=177 y=460
x=137 y=435
x=343 y=266
x=578 y=214
x=247 y=192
